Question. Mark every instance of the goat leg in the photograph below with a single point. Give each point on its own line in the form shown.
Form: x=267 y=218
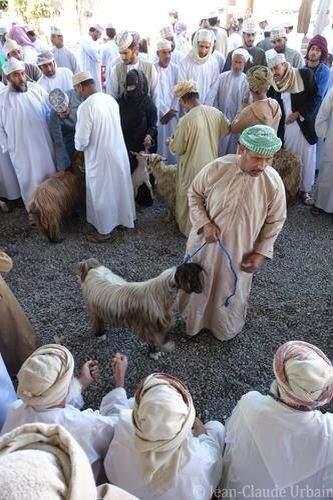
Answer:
x=154 y=351
x=98 y=326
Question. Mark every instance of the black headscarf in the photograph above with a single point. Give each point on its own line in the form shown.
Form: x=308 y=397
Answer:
x=138 y=78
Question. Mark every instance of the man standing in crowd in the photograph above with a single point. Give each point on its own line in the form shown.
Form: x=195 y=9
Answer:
x=12 y=49
x=24 y=130
x=128 y=46
x=91 y=55
x=201 y=66
x=195 y=141
x=316 y=57
x=296 y=92
x=238 y=200
x=110 y=49
x=168 y=103
x=279 y=42
x=63 y=57
x=168 y=34
x=109 y=190
x=249 y=35
x=53 y=77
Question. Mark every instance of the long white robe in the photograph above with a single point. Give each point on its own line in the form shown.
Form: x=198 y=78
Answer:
x=24 y=133
x=232 y=89
x=92 y=430
x=205 y=75
x=250 y=213
x=91 y=59
x=7 y=392
x=123 y=464
x=167 y=79
x=110 y=52
x=66 y=59
x=109 y=191
x=295 y=142
x=324 y=130
x=62 y=79
x=271 y=447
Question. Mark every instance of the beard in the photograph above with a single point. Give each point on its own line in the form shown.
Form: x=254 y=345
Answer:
x=23 y=87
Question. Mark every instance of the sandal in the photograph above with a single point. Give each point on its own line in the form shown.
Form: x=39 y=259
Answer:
x=316 y=211
x=306 y=199
x=98 y=238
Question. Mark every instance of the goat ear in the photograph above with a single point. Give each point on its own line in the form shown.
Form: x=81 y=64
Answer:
x=82 y=269
x=197 y=266
x=180 y=276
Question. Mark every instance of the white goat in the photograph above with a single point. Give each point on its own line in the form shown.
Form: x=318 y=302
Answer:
x=141 y=175
x=165 y=176
x=146 y=308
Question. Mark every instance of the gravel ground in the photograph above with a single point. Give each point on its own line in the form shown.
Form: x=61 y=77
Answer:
x=291 y=299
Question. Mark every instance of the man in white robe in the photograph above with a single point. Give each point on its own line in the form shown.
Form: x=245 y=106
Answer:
x=279 y=41
x=324 y=129
x=62 y=56
x=24 y=132
x=91 y=53
x=280 y=443
x=160 y=450
x=128 y=49
x=232 y=90
x=110 y=48
x=109 y=190
x=239 y=202
x=12 y=49
x=201 y=66
x=169 y=108
x=220 y=33
x=53 y=77
x=168 y=34
x=7 y=393
x=48 y=393
x=181 y=41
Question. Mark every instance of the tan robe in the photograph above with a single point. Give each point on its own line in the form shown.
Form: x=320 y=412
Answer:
x=195 y=141
x=250 y=212
x=265 y=112
x=17 y=338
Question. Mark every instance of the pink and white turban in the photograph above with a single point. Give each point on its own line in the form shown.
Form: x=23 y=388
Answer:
x=304 y=375
x=18 y=33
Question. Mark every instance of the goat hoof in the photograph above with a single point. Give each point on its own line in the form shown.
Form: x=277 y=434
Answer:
x=101 y=339
x=155 y=355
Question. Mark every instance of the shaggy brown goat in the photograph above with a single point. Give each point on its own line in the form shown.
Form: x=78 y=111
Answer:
x=289 y=167
x=56 y=198
x=146 y=308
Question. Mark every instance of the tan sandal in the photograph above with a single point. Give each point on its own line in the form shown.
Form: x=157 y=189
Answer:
x=306 y=199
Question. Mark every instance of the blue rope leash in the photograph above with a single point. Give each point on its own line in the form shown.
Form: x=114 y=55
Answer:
x=188 y=258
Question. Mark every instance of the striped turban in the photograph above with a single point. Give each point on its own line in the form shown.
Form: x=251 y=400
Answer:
x=45 y=377
x=163 y=416
x=304 y=375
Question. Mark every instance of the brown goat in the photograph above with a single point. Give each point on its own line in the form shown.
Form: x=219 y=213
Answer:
x=56 y=198
x=288 y=166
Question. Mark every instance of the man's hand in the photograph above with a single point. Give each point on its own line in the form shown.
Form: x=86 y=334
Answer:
x=252 y=262
x=211 y=232
x=89 y=373
x=60 y=174
x=167 y=141
x=172 y=113
x=292 y=118
x=119 y=367
x=198 y=428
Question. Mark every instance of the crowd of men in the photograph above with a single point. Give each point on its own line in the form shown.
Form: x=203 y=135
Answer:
x=219 y=105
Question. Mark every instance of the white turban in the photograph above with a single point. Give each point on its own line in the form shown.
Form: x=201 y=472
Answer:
x=45 y=377
x=163 y=416
x=80 y=77
x=55 y=30
x=44 y=461
x=9 y=46
x=167 y=32
x=124 y=39
x=278 y=33
x=204 y=35
x=59 y=100
x=98 y=27
x=242 y=52
x=273 y=58
x=45 y=58
x=164 y=45
x=250 y=25
x=109 y=26
x=12 y=65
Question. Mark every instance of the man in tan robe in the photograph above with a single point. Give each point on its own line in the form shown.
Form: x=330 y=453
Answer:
x=239 y=200
x=17 y=338
x=195 y=141
x=263 y=110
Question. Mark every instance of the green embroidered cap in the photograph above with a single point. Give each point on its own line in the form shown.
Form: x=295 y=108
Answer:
x=261 y=139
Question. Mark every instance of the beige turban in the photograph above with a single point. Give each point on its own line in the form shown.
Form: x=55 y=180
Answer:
x=278 y=33
x=260 y=78
x=12 y=65
x=163 y=416
x=164 y=45
x=124 y=39
x=44 y=462
x=9 y=46
x=45 y=58
x=80 y=77
x=45 y=377
x=183 y=88
x=250 y=25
